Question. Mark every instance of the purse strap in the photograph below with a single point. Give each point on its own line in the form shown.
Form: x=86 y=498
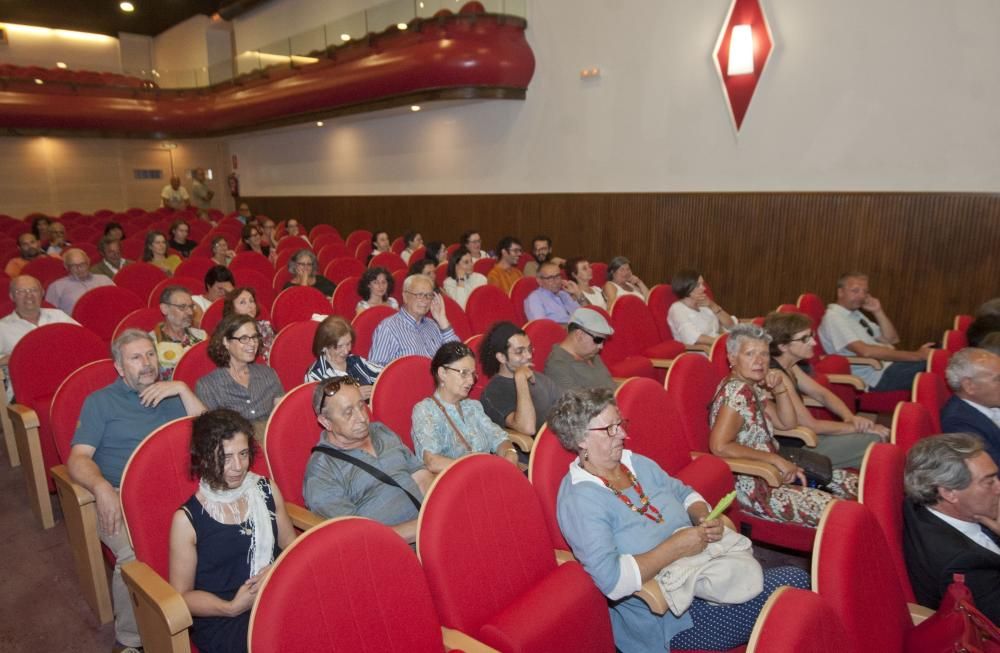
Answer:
x=374 y=471
x=461 y=438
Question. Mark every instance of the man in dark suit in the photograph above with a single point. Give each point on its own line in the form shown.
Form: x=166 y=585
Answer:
x=974 y=376
x=951 y=520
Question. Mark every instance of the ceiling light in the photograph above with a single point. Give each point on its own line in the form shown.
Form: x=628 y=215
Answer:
x=414 y=107
x=401 y=25
x=345 y=37
x=319 y=123
x=127 y=7
x=421 y=5
x=61 y=64
x=38 y=81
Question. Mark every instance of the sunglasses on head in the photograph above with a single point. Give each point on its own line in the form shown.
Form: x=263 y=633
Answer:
x=332 y=386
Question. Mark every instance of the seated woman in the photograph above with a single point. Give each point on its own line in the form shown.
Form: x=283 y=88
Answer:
x=293 y=228
x=253 y=241
x=221 y=254
x=793 y=344
x=225 y=537
x=621 y=281
x=461 y=280
x=380 y=244
x=375 y=289
x=303 y=266
x=426 y=267
x=332 y=349
x=243 y=301
x=447 y=425
x=239 y=384
x=155 y=252
x=695 y=319
x=746 y=403
x=413 y=241
x=179 y=240
x=626 y=519
x=578 y=269
x=437 y=252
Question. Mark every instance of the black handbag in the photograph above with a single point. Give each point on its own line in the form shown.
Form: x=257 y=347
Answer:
x=817 y=467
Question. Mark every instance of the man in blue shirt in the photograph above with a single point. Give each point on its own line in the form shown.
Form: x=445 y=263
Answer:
x=410 y=331
x=554 y=299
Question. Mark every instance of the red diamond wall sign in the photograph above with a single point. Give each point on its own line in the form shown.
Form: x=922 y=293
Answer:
x=740 y=58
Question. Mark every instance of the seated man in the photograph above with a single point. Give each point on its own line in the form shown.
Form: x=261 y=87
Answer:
x=951 y=521
x=28 y=315
x=65 y=291
x=554 y=299
x=111 y=261
x=504 y=274
x=361 y=468
x=57 y=239
x=517 y=397
x=113 y=421
x=175 y=335
x=974 y=375
x=541 y=252
x=218 y=281
x=29 y=250
x=174 y=196
x=409 y=331
x=846 y=331
x=575 y=362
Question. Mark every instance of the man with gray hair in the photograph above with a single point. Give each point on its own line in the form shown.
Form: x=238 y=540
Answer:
x=65 y=291
x=111 y=261
x=175 y=335
x=974 y=376
x=951 y=520
x=113 y=421
x=410 y=331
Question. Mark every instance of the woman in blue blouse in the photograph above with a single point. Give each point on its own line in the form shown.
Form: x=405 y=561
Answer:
x=332 y=348
x=447 y=425
x=626 y=519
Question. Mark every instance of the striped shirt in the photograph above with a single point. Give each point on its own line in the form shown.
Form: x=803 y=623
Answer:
x=402 y=335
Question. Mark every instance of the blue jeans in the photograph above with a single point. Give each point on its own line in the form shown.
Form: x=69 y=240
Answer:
x=899 y=376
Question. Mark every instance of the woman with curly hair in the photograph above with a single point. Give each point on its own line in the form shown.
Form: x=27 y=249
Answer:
x=375 y=289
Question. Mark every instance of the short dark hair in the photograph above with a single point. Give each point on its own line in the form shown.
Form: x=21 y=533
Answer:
x=375 y=235
x=783 y=326
x=453 y=260
x=37 y=220
x=229 y=303
x=434 y=249
x=217 y=274
x=229 y=325
x=113 y=225
x=506 y=243
x=684 y=283
x=410 y=236
x=208 y=432
x=371 y=274
x=102 y=244
x=174 y=225
x=466 y=235
x=417 y=266
x=571 y=265
x=488 y=350
x=447 y=354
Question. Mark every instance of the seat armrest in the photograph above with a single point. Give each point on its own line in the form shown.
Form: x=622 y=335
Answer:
x=652 y=596
x=80 y=494
x=806 y=434
x=847 y=379
x=562 y=555
x=456 y=640
x=704 y=349
x=620 y=379
x=749 y=467
x=24 y=423
x=662 y=363
x=918 y=612
x=302 y=518
x=873 y=363
x=520 y=440
x=10 y=444
x=24 y=415
x=160 y=611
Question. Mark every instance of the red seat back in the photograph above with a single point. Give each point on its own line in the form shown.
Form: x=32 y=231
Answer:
x=798 y=621
x=635 y=331
x=881 y=490
x=691 y=384
x=252 y=261
x=324 y=230
x=45 y=268
x=195 y=268
x=487 y=305
x=101 y=309
x=963 y=322
x=141 y=277
x=291 y=352
x=718 y=355
x=600 y=272
x=930 y=391
x=293 y=244
x=544 y=335
x=45 y=356
x=329 y=249
x=937 y=363
x=643 y=402
x=296 y=304
x=401 y=385
x=518 y=293
x=192 y=285
x=194 y=364
x=910 y=423
x=343 y=268
x=812 y=305
x=954 y=341
x=457 y=317
x=364 y=326
x=345 y=298
x=261 y=285
x=144 y=319
x=357 y=237
x=388 y=260
x=661 y=296
x=292 y=432
x=69 y=397
x=484 y=265
x=211 y=317
x=548 y=464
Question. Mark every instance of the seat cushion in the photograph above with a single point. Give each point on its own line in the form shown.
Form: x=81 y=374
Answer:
x=666 y=349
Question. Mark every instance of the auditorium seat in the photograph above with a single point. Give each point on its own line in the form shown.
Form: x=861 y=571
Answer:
x=544 y=335
x=101 y=309
x=402 y=384
x=518 y=293
x=252 y=261
x=880 y=488
x=954 y=341
x=46 y=269
x=798 y=621
x=930 y=391
x=397 y=245
x=457 y=317
x=343 y=268
x=291 y=353
x=398 y=278
x=911 y=422
x=324 y=229
x=636 y=334
x=623 y=367
x=660 y=298
x=357 y=237
x=418 y=254
x=388 y=260
x=293 y=243
x=261 y=285
x=962 y=322
x=194 y=364
x=140 y=278
x=192 y=285
x=144 y=319
x=486 y=306
x=345 y=298
x=484 y=265
x=296 y=304
x=330 y=250
x=365 y=323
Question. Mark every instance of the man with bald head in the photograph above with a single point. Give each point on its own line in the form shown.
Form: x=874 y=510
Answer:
x=174 y=196
x=411 y=331
x=554 y=299
x=974 y=376
x=65 y=291
x=28 y=250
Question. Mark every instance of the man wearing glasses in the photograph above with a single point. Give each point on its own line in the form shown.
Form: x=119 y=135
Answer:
x=65 y=291
x=411 y=331
x=555 y=299
x=575 y=362
x=847 y=331
x=175 y=335
x=505 y=273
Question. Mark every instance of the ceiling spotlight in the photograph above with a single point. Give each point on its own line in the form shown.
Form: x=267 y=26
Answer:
x=345 y=37
x=414 y=107
x=61 y=65
x=421 y=5
x=319 y=123
x=401 y=25
x=127 y=7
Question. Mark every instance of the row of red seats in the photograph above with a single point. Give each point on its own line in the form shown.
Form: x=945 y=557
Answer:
x=67 y=76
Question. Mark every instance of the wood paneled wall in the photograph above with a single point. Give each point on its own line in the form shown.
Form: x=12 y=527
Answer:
x=929 y=255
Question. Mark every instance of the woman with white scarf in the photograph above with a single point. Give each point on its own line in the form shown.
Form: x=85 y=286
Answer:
x=225 y=537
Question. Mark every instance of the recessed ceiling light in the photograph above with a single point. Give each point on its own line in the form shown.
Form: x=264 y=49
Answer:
x=401 y=25
x=61 y=64
x=319 y=123
x=127 y=7
x=38 y=81
x=345 y=37
x=414 y=107
x=421 y=5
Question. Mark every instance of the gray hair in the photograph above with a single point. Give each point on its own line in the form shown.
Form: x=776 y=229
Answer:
x=414 y=278
x=939 y=462
x=571 y=415
x=989 y=307
x=742 y=332
x=616 y=263
x=842 y=279
x=167 y=293
x=965 y=364
x=299 y=254
x=22 y=279
x=126 y=337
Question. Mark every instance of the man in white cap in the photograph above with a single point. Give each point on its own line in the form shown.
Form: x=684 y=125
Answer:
x=574 y=363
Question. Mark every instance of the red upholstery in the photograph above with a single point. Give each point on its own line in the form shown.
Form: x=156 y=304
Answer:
x=252 y=261
x=910 y=423
x=292 y=432
x=404 y=382
x=619 y=363
x=398 y=277
x=101 y=309
x=291 y=352
x=296 y=304
x=281 y=263
x=362 y=251
x=441 y=273
x=322 y=230
x=340 y=269
x=389 y=261
x=720 y=358
x=963 y=322
x=346 y=298
x=261 y=285
x=364 y=327
x=211 y=317
x=329 y=251
x=930 y=391
x=140 y=278
x=518 y=293
x=881 y=490
x=487 y=305
x=954 y=340
x=68 y=400
x=418 y=254
x=193 y=286
x=482 y=526
x=357 y=237
x=544 y=335
x=193 y=365
x=484 y=265
x=547 y=465
x=882 y=402
x=144 y=319
x=373 y=595
x=457 y=317
x=661 y=297
x=397 y=245
x=813 y=306
x=293 y=243
x=46 y=269
x=937 y=363
x=798 y=621
x=475 y=343
x=600 y=272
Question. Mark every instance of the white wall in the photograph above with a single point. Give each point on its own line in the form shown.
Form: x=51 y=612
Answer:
x=893 y=95
x=182 y=51
x=41 y=46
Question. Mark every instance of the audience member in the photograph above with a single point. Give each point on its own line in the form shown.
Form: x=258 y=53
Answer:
x=554 y=299
x=111 y=261
x=437 y=252
x=175 y=335
x=267 y=232
x=218 y=282
x=375 y=289
x=221 y=253
x=57 y=239
x=332 y=348
x=517 y=397
x=201 y=194
x=113 y=421
x=461 y=280
x=380 y=244
x=991 y=343
x=243 y=301
x=846 y=331
x=413 y=241
x=951 y=522
x=621 y=281
x=426 y=267
x=541 y=252
x=448 y=424
x=114 y=230
x=243 y=213
x=224 y=539
x=575 y=363
x=253 y=241
x=293 y=228
x=303 y=265
x=695 y=318
x=974 y=377
x=179 y=241
x=505 y=273
x=361 y=468
x=155 y=252
x=28 y=249
x=64 y=292
x=987 y=321
x=472 y=241
x=174 y=196
x=579 y=270
x=410 y=331
x=40 y=228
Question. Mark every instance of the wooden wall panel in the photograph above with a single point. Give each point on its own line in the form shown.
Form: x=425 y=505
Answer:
x=929 y=255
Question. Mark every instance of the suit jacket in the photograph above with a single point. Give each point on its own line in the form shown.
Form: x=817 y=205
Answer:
x=935 y=550
x=102 y=268
x=957 y=416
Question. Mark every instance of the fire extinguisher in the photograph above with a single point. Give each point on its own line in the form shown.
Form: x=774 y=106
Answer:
x=234 y=185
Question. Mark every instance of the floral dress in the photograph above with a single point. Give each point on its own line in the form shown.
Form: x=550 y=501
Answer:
x=787 y=503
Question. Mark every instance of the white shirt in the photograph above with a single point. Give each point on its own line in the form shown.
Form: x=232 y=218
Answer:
x=992 y=413
x=595 y=296
x=971 y=530
x=840 y=327
x=687 y=323
x=13 y=327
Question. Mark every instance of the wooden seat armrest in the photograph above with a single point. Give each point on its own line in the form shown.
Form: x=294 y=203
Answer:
x=650 y=592
x=696 y=347
x=873 y=363
x=562 y=555
x=24 y=422
x=10 y=444
x=456 y=640
x=918 y=612
x=804 y=433
x=160 y=610
x=847 y=379
x=756 y=468
x=81 y=495
x=302 y=518
x=21 y=414
x=620 y=379
x=520 y=440
x=662 y=363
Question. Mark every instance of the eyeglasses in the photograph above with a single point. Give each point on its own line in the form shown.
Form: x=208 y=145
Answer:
x=597 y=339
x=427 y=296
x=183 y=307
x=803 y=339
x=465 y=374
x=304 y=264
x=24 y=292
x=611 y=430
x=332 y=386
x=246 y=340
x=550 y=277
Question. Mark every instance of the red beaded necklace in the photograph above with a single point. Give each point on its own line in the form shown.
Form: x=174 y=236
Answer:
x=647 y=510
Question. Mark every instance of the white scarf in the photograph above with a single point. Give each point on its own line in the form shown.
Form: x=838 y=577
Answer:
x=224 y=504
